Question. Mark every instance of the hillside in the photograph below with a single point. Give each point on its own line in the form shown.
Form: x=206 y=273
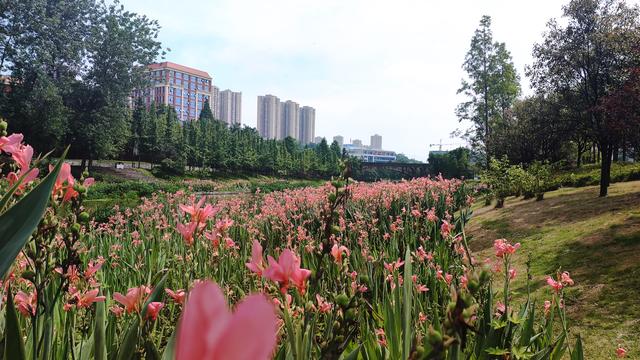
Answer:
x=597 y=240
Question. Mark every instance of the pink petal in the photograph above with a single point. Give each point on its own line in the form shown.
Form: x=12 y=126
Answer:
x=203 y=321
x=251 y=333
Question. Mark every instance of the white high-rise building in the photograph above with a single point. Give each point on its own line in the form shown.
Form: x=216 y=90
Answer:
x=357 y=142
x=291 y=119
x=281 y=129
x=339 y=139
x=230 y=107
x=376 y=142
x=215 y=102
x=307 y=125
x=317 y=139
x=268 y=116
x=280 y=119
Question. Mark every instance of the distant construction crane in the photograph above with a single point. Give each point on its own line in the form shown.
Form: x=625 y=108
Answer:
x=440 y=145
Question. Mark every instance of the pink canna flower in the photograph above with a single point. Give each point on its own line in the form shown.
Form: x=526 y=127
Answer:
x=31 y=174
x=512 y=273
x=547 y=306
x=556 y=285
x=22 y=155
x=187 y=231
x=566 y=279
x=446 y=228
x=337 y=251
x=621 y=352
x=563 y=280
x=208 y=330
x=198 y=213
x=11 y=143
x=323 y=305
x=178 y=296
x=85 y=300
x=257 y=263
x=153 y=309
x=286 y=271
x=134 y=298
x=502 y=247
x=26 y=304
x=116 y=310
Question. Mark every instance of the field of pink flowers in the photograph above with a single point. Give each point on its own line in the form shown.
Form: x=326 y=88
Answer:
x=342 y=271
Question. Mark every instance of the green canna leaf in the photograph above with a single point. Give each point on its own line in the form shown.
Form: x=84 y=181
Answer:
x=559 y=348
x=170 y=351
x=577 y=353
x=13 y=344
x=99 y=334
x=18 y=223
x=130 y=340
x=354 y=354
x=408 y=297
x=151 y=351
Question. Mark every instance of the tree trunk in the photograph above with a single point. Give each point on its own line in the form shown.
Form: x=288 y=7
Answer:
x=579 y=158
x=605 y=169
x=616 y=152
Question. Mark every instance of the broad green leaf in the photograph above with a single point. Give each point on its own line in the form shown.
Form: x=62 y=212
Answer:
x=130 y=341
x=99 y=334
x=559 y=348
x=170 y=350
x=151 y=351
x=408 y=297
x=577 y=353
x=18 y=223
x=354 y=354
x=13 y=344
x=527 y=329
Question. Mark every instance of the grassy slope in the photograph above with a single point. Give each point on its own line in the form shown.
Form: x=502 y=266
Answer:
x=597 y=240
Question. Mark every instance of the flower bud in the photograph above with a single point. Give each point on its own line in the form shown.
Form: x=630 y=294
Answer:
x=83 y=217
x=342 y=300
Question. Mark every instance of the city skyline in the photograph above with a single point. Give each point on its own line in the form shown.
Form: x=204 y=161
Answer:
x=277 y=119
x=392 y=68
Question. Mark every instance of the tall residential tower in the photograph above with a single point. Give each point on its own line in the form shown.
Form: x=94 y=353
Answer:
x=307 y=125
x=230 y=107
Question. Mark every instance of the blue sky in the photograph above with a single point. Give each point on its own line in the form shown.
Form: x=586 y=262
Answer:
x=367 y=66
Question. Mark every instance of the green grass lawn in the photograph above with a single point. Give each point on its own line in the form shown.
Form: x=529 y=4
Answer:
x=597 y=240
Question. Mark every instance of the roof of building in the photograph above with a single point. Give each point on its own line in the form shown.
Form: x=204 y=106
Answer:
x=174 y=66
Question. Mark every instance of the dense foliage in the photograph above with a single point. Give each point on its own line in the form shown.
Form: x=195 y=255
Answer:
x=211 y=146
x=585 y=77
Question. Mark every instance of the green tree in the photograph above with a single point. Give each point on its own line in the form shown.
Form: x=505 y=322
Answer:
x=491 y=88
x=588 y=59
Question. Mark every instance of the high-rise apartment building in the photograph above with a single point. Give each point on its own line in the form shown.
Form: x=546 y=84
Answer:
x=339 y=139
x=230 y=107
x=215 y=101
x=280 y=119
x=317 y=139
x=307 y=125
x=268 y=116
x=376 y=142
x=357 y=142
x=184 y=88
x=291 y=119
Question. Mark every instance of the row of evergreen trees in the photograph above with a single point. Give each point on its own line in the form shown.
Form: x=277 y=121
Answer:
x=158 y=136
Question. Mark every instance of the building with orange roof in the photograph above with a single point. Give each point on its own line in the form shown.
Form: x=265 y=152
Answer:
x=184 y=88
